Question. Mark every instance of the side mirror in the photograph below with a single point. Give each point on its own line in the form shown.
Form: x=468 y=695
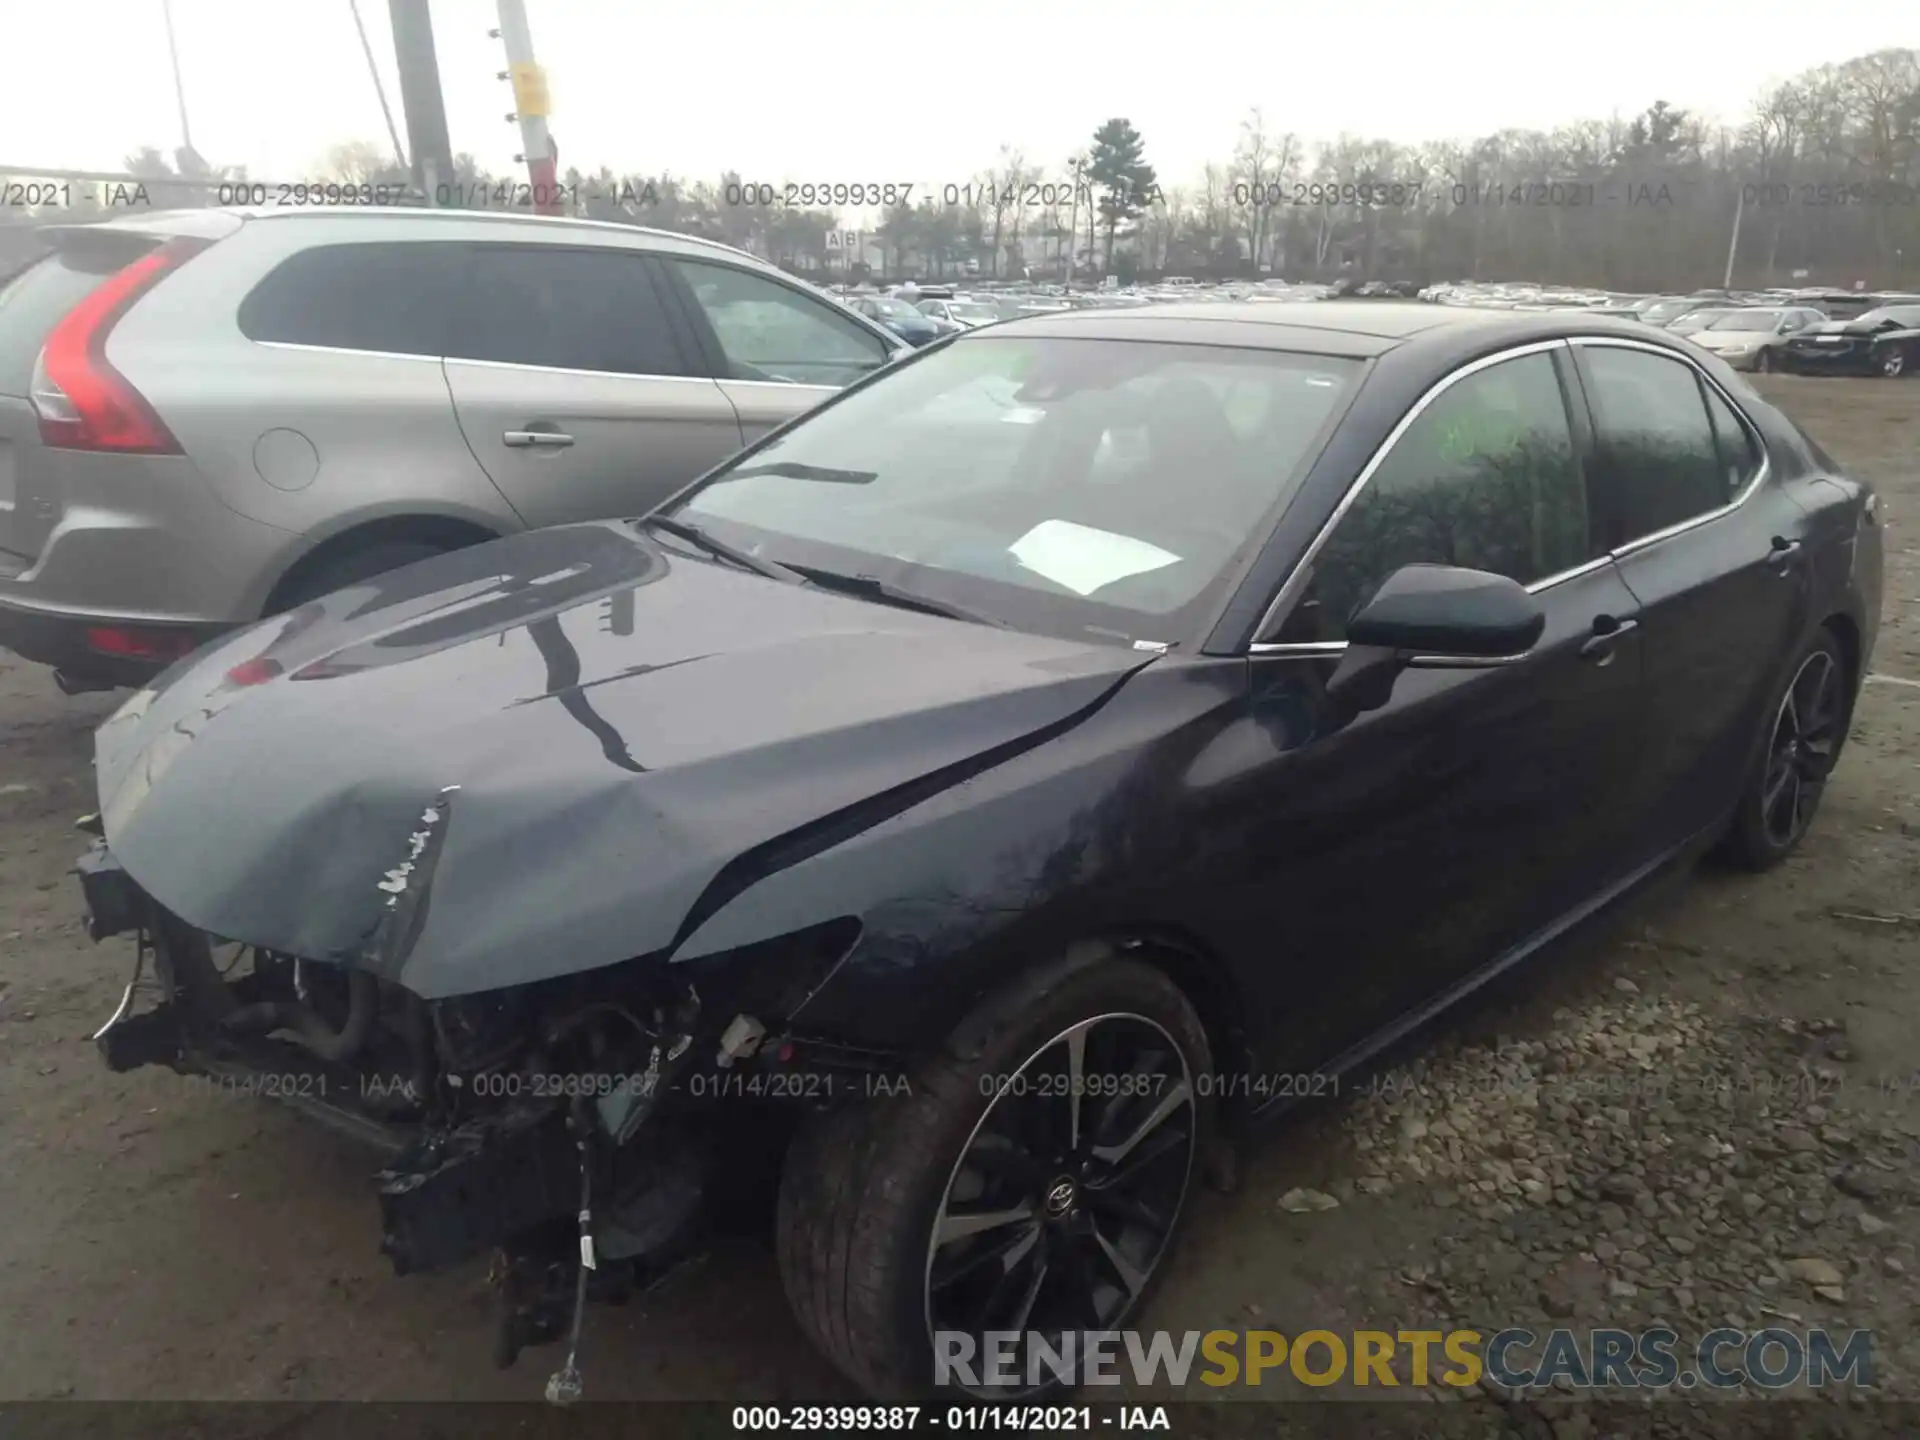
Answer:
x=1435 y=614
x=1445 y=611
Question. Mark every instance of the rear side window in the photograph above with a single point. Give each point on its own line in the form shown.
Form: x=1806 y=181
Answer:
x=550 y=306
x=397 y=298
x=565 y=309
x=1658 y=454
x=32 y=303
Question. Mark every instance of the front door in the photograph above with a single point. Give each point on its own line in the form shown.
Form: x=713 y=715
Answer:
x=1388 y=858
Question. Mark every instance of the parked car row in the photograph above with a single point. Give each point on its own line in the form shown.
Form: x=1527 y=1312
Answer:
x=1802 y=331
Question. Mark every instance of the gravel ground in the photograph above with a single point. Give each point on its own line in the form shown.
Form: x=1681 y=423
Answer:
x=1704 y=1115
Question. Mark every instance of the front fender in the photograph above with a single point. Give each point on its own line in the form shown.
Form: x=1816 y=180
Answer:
x=981 y=882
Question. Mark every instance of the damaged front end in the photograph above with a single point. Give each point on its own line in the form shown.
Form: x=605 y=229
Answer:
x=567 y=1126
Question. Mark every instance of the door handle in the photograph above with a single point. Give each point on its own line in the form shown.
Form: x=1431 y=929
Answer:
x=531 y=439
x=1781 y=556
x=1606 y=630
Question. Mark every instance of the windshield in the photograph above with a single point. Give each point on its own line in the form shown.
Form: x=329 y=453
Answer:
x=1667 y=309
x=896 y=310
x=1066 y=486
x=1697 y=320
x=1764 y=320
x=973 y=312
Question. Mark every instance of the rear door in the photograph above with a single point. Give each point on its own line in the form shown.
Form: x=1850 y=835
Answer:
x=776 y=350
x=577 y=387
x=1713 y=547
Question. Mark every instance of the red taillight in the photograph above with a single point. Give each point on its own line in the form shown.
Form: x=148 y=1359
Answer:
x=83 y=403
x=139 y=644
x=253 y=672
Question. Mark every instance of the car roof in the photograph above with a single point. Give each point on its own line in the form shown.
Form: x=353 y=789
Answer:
x=1359 y=329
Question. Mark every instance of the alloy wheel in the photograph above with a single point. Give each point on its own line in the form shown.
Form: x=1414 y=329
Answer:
x=1894 y=365
x=1806 y=736
x=1064 y=1198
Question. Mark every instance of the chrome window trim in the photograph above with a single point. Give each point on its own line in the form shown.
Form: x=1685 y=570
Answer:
x=1632 y=547
x=490 y=364
x=339 y=349
x=789 y=385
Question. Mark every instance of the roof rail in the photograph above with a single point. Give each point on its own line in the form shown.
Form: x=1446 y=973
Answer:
x=267 y=212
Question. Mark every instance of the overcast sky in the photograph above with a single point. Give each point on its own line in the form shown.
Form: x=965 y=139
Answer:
x=867 y=90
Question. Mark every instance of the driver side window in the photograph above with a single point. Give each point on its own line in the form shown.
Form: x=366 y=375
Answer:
x=770 y=331
x=1485 y=478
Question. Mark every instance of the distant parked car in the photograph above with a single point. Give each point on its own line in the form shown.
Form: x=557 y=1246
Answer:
x=1696 y=320
x=207 y=416
x=1754 y=338
x=967 y=314
x=901 y=318
x=1885 y=341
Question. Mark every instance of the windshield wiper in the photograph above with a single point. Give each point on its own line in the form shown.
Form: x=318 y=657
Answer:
x=694 y=535
x=872 y=587
x=794 y=470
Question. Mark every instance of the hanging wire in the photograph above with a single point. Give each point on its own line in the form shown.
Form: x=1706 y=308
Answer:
x=393 y=133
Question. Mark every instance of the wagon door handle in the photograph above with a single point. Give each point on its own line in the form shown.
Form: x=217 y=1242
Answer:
x=1782 y=554
x=1606 y=634
x=542 y=439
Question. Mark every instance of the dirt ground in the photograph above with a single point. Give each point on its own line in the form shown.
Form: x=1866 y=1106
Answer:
x=158 y=1241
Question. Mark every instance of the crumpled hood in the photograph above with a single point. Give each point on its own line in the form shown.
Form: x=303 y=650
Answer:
x=1853 y=329
x=533 y=757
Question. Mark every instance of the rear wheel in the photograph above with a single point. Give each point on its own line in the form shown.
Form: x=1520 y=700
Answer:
x=1807 y=728
x=1035 y=1181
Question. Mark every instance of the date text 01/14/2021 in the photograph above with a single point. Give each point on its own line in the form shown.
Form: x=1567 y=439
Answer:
x=912 y=1419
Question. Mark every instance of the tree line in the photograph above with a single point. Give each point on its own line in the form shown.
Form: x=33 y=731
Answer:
x=1822 y=175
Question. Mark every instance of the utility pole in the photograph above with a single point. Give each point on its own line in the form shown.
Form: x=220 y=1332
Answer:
x=186 y=158
x=1073 y=217
x=179 y=90
x=1733 y=245
x=531 y=106
x=420 y=96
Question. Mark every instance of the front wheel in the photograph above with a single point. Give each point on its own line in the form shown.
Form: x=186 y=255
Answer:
x=1806 y=729
x=1766 y=364
x=1033 y=1182
x=1894 y=363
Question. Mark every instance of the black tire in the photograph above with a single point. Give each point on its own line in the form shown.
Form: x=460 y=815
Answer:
x=864 y=1185
x=353 y=566
x=1806 y=728
x=1894 y=364
x=1766 y=364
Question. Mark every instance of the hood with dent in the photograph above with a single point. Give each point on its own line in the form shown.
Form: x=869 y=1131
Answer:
x=1854 y=328
x=538 y=756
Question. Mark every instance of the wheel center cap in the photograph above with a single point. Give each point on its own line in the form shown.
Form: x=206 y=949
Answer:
x=1061 y=1197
